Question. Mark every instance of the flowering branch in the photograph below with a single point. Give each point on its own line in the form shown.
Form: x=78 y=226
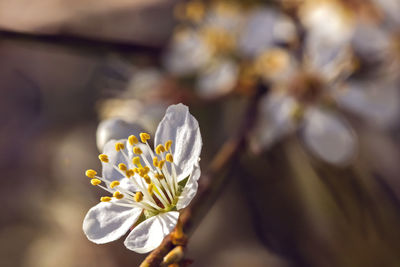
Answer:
x=210 y=183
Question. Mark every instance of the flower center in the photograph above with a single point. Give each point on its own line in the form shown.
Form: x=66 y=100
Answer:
x=152 y=174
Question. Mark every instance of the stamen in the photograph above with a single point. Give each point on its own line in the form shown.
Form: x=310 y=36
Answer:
x=137 y=150
x=119 y=146
x=91 y=173
x=155 y=161
x=118 y=195
x=144 y=137
x=122 y=167
x=136 y=170
x=130 y=173
x=169 y=157
x=150 y=188
x=160 y=149
x=105 y=199
x=168 y=144
x=114 y=184
x=159 y=176
x=103 y=158
x=136 y=161
x=95 y=181
x=132 y=140
x=161 y=164
x=138 y=196
x=147 y=179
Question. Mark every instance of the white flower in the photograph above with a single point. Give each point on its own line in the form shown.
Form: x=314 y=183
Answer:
x=148 y=187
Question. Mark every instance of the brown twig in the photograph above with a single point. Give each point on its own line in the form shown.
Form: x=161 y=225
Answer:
x=81 y=42
x=210 y=183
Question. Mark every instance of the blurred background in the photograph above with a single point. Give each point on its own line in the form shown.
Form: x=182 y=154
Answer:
x=318 y=183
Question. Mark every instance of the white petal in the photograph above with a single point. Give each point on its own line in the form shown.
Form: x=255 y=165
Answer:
x=377 y=103
x=182 y=128
x=106 y=222
x=190 y=189
x=149 y=234
x=329 y=137
x=218 y=79
x=115 y=129
x=274 y=122
x=114 y=157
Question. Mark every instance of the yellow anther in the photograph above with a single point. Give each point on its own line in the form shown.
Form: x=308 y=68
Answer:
x=136 y=170
x=129 y=173
x=103 y=158
x=136 y=160
x=137 y=150
x=132 y=140
x=91 y=173
x=105 y=199
x=147 y=169
x=142 y=172
x=160 y=149
x=144 y=137
x=95 y=181
x=114 y=184
x=161 y=164
x=155 y=161
x=118 y=195
x=159 y=176
x=168 y=145
x=119 y=146
x=122 y=167
x=150 y=188
x=147 y=179
x=138 y=196
x=169 y=157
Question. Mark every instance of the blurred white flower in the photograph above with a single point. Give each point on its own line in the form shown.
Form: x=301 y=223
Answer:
x=264 y=28
x=148 y=188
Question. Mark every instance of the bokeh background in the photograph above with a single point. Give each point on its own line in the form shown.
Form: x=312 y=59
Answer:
x=296 y=200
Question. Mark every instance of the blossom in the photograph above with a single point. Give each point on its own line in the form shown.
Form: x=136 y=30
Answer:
x=148 y=187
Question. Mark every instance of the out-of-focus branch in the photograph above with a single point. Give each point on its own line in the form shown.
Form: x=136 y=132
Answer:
x=211 y=182
x=80 y=42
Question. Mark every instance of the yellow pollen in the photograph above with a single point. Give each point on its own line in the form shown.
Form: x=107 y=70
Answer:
x=129 y=173
x=138 y=196
x=105 y=199
x=147 y=179
x=114 y=184
x=161 y=164
x=137 y=150
x=103 y=158
x=169 y=157
x=132 y=140
x=150 y=188
x=144 y=137
x=136 y=170
x=155 y=161
x=119 y=146
x=160 y=149
x=91 y=173
x=168 y=145
x=118 y=195
x=122 y=167
x=95 y=181
x=136 y=160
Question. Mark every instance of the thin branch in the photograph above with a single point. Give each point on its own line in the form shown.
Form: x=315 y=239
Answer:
x=210 y=183
x=76 y=41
